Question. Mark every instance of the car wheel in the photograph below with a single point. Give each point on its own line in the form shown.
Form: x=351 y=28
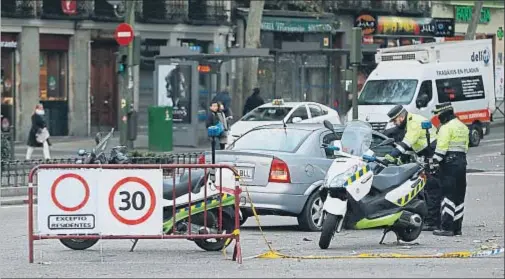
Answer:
x=475 y=135
x=311 y=213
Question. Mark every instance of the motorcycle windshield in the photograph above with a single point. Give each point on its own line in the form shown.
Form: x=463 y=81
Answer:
x=356 y=138
x=103 y=143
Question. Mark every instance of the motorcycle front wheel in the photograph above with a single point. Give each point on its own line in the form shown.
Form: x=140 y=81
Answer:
x=328 y=231
x=78 y=244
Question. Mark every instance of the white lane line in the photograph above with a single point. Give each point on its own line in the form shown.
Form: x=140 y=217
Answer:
x=486 y=173
x=492 y=140
x=488 y=154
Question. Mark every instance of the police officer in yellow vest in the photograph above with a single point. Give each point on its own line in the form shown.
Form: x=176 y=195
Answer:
x=452 y=146
x=415 y=139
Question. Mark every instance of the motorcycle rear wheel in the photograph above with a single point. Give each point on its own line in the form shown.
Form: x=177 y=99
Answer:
x=410 y=234
x=212 y=221
x=78 y=244
x=328 y=231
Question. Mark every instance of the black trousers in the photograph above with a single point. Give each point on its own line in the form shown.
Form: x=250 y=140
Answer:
x=434 y=198
x=453 y=181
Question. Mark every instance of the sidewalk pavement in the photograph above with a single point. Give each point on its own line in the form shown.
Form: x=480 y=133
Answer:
x=65 y=147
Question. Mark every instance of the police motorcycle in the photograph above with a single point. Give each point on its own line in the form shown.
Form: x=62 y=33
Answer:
x=378 y=194
x=194 y=186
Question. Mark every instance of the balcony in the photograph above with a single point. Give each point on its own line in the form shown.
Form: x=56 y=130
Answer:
x=403 y=7
x=19 y=8
x=162 y=11
x=104 y=11
x=208 y=12
x=51 y=9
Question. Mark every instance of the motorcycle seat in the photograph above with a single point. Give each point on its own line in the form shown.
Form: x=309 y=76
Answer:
x=393 y=176
x=182 y=184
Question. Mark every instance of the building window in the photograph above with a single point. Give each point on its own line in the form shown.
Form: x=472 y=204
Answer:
x=53 y=76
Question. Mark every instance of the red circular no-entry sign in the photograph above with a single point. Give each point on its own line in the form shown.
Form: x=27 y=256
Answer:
x=57 y=182
x=123 y=34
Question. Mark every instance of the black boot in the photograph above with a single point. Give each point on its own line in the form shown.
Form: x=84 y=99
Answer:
x=429 y=227
x=443 y=233
x=458 y=232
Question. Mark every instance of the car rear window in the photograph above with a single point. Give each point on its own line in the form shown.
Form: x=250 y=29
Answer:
x=285 y=140
x=267 y=114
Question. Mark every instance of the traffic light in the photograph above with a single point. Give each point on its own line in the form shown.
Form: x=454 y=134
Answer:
x=121 y=62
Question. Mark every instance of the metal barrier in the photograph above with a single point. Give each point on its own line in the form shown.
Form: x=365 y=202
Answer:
x=15 y=172
x=177 y=213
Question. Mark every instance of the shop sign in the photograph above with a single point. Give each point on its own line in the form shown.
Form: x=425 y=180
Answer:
x=432 y=27
x=9 y=44
x=367 y=23
x=296 y=25
x=464 y=14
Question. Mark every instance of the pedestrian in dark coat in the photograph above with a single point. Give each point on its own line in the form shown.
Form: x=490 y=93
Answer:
x=38 y=129
x=253 y=101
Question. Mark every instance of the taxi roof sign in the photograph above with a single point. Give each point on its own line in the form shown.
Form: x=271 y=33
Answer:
x=278 y=102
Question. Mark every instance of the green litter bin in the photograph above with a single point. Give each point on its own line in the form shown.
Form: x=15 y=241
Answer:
x=160 y=129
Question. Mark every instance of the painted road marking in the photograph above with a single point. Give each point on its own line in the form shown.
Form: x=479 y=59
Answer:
x=492 y=140
x=489 y=154
x=488 y=173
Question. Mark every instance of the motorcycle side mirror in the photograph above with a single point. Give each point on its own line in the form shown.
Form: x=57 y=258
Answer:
x=369 y=158
x=332 y=148
x=426 y=125
x=81 y=152
x=327 y=124
x=98 y=138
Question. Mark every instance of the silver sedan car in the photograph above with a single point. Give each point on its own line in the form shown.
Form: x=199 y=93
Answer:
x=282 y=168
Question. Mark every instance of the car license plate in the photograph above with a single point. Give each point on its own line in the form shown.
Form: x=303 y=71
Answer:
x=246 y=173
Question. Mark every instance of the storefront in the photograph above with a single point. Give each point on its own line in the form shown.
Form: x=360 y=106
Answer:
x=8 y=80
x=53 y=82
x=393 y=31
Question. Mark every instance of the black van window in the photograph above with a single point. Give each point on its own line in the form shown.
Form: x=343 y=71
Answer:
x=460 y=89
x=426 y=88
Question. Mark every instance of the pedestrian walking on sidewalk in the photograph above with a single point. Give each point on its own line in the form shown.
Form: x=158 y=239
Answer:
x=38 y=135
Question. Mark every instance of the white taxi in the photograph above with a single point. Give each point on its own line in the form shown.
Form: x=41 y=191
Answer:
x=278 y=112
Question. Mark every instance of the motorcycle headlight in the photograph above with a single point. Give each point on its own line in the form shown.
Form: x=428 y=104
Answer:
x=339 y=180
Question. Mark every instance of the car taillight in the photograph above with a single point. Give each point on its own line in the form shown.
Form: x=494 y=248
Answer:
x=279 y=172
x=201 y=159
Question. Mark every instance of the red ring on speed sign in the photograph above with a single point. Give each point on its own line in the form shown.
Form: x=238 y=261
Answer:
x=149 y=211
x=57 y=182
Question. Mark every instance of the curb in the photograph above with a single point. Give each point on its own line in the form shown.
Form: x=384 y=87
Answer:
x=6 y=192
x=22 y=200
x=497 y=122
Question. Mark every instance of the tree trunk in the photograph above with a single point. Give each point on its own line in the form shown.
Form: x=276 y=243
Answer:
x=472 y=27
x=252 y=40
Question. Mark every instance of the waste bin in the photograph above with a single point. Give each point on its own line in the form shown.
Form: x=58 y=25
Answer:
x=160 y=129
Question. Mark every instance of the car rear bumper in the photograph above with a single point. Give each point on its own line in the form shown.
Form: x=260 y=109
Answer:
x=268 y=203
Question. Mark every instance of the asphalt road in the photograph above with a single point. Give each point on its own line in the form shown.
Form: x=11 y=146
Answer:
x=483 y=228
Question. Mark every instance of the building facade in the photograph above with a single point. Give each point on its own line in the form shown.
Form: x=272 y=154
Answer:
x=490 y=25
x=62 y=54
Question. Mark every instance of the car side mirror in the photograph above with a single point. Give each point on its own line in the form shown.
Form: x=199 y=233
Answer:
x=297 y=119
x=422 y=101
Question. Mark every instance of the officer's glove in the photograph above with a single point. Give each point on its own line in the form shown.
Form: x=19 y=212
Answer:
x=390 y=160
x=434 y=165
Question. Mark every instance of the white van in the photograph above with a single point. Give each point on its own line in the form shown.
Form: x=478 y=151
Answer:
x=421 y=76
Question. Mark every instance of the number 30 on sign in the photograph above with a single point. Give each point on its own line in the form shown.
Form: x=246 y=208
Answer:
x=133 y=202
